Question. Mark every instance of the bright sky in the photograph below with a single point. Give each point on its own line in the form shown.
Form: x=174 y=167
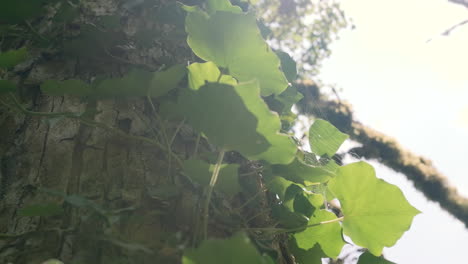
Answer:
x=416 y=91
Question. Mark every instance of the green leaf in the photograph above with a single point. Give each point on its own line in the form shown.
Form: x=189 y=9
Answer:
x=376 y=213
x=201 y=73
x=222 y=5
x=220 y=111
x=302 y=205
x=287 y=218
x=164 y=81
x=299 y=172
x=311 y=256
x=234 y=250
x=228 y=179
x=324 y=138
x=287 y=99
x=233 y=41
x=46 y=209
x=141 y=83
x=135 y=83
x=7 y=87
x=15 y=11
x=367 y=258
x=11 y=58
x=69 y=87
x=328 y=235
x=288 y=65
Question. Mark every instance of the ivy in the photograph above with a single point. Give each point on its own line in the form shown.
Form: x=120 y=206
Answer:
x=376 y=213
x=237 y=101
x=229 y=40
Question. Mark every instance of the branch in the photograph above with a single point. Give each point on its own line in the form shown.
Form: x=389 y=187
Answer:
x=375 y=145
x=460 y=2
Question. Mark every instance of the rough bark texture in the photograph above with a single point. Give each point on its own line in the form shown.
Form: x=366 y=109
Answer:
x=386 y=150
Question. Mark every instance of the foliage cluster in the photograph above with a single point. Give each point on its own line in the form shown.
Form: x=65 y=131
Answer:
x=238 y=98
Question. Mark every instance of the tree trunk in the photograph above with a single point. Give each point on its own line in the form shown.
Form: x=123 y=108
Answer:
x=114 y=189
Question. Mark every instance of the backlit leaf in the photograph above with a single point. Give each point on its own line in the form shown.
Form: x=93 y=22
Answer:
x=299 y=172
x=324 y=138
x=221 y=111
x=327 y=235
x=234 y=250
x=233 y=41
x=222 y=5
x=201 y=73
x=376 y=213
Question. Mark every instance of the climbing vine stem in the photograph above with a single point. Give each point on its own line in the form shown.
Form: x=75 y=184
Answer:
x=209 y=192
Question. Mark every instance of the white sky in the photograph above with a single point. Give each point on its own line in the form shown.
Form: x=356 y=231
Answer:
x=417 y=92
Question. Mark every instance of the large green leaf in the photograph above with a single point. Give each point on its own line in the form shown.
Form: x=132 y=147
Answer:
x=135 y=83
x=15 y=11
x=327 y=235
x=237 y=118
x=376 y=213
x=141 y=83
x=288 y=65
x=7 y=87
x=228 y=179
x=11 y=58
x=234 y=250
x=70 y=87
x=201 y=73
x=299 y=172
x=222 y=5
x=367 y=258
x=311 y=256
x=324 y=138
x=233 y=41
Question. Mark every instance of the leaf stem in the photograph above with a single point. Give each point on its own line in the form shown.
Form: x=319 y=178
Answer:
x=285 y=230
x=209 y=192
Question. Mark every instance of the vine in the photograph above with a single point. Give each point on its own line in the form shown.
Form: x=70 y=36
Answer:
x=237 y=98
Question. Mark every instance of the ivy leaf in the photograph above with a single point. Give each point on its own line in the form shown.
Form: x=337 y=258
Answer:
x=222 y=5
x=70 y=87
x=16 y=11
x=327 y=235
x=135 y=83
x=201 y=73
x=236 y=249
x=228 y=179
x=11 y=58
x=47 y=209
x=288 y=65
x=287 y=99
x=311 y=256
x=324 y=138
x=233 y=41
x=141 y=83
x=220 y=111
x=7 y=87
x=299 y=172
x=376 y=213
x=367 y=258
